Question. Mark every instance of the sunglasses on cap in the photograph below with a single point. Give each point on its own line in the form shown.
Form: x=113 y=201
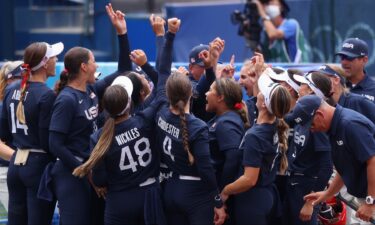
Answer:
x=348 y=58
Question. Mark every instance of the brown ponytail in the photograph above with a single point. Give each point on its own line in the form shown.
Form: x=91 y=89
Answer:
x=185 y=133
x=60 y=84
x=280 y=105
x=179 y=91
x=20 y=113
x=115 y=100
x=99 y=150
x=242 y=111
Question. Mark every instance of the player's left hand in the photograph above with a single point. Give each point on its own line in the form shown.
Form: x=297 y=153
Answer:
x=306 y=211
x=220 y=215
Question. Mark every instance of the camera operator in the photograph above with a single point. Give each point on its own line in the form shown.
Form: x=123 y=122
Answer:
x=282 y=39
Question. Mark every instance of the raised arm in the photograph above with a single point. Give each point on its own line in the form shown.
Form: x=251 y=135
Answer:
x=118 y=21
x=157 y=24
x=139 y=57
x=166 y=53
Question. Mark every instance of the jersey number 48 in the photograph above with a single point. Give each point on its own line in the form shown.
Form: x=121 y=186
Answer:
x=142 y=150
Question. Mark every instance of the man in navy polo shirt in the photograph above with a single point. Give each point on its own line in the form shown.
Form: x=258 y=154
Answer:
x=352 y=138
x=354 y=57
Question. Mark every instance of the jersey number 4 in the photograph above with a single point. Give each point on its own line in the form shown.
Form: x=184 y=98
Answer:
x=142 y=150
x=15 y=122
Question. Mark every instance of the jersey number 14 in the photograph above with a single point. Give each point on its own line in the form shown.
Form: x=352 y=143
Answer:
x=15 y=122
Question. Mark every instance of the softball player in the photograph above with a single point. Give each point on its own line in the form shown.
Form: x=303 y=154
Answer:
x=124 y=157
x=255 y=196
x=25 y=120
x=125 y=161
x=226 y=130
x=73 y=121
x=10 y=71
x=189 y=195
x=310 y=164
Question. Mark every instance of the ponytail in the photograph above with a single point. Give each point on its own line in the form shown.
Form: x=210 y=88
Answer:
x=241 y=109
x=64 y=77
x=99 y=150
x=282 y=131
x=24 y=85
x=185 y=133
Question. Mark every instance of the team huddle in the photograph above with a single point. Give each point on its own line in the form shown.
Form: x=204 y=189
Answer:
x=178 y=146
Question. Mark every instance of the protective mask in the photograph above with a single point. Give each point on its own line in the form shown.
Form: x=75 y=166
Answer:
x=272 y=11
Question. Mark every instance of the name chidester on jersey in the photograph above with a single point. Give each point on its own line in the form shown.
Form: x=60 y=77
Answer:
x=169 y=128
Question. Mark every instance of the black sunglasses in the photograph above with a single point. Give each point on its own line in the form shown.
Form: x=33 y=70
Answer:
x=345 y=57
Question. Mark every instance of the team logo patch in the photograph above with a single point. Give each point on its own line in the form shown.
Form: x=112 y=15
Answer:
x=348 y=45
x=340 y=143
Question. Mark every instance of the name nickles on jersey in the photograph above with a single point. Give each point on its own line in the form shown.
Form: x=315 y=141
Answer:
x=127 y=136
x=92 y=112
x=169 y=128
x=17 y=95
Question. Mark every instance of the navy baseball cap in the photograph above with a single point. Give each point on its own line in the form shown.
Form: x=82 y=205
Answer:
x=14 y=70
x=305 y=108
x=353 y=48
x=194 y=54
x=327 y=70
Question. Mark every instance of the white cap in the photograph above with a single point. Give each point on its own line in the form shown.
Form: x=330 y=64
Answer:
x=267 y=86
x=52 y=50
x=127 y=84
x=307 y=79
x=284 y=77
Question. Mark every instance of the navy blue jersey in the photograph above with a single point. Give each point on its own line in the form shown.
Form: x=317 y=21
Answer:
x=38 y=104
x=74 y=119
x=260 y=150
x=74 y=114
x=169 y=132
x=252 y=110
x=305 y=155
x=132 y=157
x=225 y=135
x=288 y=119
x=365 y=87
x=358 y=103
x=352 y=138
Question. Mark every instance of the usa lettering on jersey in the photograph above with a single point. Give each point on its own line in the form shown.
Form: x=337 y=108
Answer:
x=369 y=97
x=299 y=139
x=127 y=136
x=92 y=112
x=169 y=128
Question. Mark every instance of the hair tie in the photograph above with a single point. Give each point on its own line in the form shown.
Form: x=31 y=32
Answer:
x=25 y=66
x=238 y=106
